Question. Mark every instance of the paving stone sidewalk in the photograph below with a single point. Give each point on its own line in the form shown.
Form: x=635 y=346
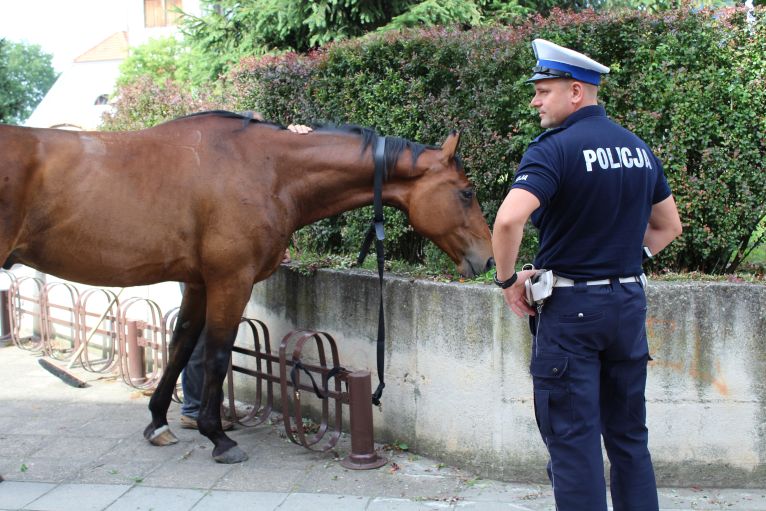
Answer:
x=69 y=449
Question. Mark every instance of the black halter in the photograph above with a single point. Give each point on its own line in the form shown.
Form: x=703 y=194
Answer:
x=376 y=231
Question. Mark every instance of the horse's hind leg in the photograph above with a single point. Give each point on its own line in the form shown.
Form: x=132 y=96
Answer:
x=191 y=320
x=225 y=302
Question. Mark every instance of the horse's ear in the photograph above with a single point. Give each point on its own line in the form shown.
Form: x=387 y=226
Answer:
x=449 y=147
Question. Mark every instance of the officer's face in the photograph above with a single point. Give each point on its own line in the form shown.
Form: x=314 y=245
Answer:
x=553 y=100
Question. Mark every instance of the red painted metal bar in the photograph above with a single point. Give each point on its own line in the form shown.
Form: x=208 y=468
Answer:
x=136 y=352
x=106 y=331
x=57 y=346
x=19 y=304
x=363 y=455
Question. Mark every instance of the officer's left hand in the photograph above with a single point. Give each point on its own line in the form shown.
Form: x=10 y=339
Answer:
x=516 y=297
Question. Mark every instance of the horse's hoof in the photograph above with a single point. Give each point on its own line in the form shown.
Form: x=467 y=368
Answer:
x=233 y=455
x=160 y=436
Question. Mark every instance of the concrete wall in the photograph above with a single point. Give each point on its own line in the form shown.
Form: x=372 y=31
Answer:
x=458 y=386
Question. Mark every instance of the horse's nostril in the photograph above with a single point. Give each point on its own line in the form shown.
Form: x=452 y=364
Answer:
x=490 y=264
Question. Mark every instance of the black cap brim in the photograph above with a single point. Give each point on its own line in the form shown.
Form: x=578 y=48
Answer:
x=539 y=76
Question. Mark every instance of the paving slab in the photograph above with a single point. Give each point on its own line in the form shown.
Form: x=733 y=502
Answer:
x=14 y=495
x=78 y=497
x=43 y=470
x=140 y=498
x=252 y=501
x=393 y=504
x=102 y=472
x=186 y=473
x=324 y=501
x=244 y=479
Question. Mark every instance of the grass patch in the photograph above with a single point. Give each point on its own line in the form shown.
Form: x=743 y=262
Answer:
x=308 y=263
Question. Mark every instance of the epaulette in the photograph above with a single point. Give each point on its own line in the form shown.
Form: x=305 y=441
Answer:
x=547 y=133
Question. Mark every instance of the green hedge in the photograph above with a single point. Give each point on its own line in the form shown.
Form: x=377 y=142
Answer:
x=692 y=84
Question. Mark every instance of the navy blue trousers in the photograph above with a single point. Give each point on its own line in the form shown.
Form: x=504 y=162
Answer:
x=589 y=373
x=192 y=379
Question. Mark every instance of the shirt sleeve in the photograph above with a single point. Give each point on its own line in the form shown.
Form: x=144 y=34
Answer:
x=537 y=173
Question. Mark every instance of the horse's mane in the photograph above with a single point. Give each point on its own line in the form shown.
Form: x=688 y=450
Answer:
x=395 y=146
x=247 y=117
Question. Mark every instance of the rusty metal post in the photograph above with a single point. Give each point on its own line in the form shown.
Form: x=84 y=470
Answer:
x=363 y=455
x=136 y=365
x=5 y=321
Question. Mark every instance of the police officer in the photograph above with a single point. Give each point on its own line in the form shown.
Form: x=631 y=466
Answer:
x=601 y=202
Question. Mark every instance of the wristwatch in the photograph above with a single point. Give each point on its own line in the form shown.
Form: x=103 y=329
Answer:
x=505 y=284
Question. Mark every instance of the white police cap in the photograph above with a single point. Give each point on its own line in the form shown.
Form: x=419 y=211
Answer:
x=554 y=61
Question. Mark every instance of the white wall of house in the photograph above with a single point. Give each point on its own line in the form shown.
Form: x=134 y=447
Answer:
x=71 y=102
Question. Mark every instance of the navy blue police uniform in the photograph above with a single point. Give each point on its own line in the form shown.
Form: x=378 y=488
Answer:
x=596 y=182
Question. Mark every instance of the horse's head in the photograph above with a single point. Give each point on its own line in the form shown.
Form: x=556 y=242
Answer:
x=442 y=206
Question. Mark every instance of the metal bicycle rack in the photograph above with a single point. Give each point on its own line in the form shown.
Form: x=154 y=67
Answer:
x=357 y=394
x=138 y=351
x=24 y=304
x=56 y=346
x=107 y=334
x=136 y=340
x=6 y=336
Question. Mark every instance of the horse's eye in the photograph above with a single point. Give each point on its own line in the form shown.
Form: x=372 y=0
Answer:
x=466 y=194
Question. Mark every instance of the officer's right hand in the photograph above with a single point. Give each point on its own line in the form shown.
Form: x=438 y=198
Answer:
x=516 y=296
x=300 y=128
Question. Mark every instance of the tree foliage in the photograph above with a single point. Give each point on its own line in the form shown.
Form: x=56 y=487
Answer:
x=161 y=60
x=690 y=83
x=234 y=29
x=26 y=74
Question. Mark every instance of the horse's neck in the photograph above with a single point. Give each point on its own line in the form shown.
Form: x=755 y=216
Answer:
x=324 y=181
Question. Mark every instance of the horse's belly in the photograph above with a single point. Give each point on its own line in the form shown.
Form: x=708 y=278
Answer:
x=97 y=266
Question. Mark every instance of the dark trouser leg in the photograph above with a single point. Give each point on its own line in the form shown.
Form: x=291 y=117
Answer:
x=191 y=382
x=566 y=408
x=623 y=415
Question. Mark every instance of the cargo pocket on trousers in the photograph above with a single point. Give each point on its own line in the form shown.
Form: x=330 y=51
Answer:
x=553 y=404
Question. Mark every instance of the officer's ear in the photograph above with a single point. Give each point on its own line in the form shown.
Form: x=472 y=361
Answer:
x=577 y=90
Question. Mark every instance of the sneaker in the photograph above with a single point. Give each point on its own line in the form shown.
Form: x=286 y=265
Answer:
x=191 y=423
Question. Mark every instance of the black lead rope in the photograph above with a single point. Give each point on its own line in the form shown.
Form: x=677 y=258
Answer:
x=376 y=231
x=332 y=373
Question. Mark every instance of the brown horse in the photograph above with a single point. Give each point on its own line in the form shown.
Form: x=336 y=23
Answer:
x=211 y=200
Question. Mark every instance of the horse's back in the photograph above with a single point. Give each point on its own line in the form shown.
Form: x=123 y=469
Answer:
x=124 y=208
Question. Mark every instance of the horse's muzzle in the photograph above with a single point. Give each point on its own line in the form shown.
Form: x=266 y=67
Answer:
x=472 y=268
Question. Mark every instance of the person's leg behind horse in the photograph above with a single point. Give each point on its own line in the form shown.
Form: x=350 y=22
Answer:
x=191 y=382
x=623 y=408
x=191 y=319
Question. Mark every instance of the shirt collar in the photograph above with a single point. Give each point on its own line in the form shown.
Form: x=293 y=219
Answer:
x=584 y=112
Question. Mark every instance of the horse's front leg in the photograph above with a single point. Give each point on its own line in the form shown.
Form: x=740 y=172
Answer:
x=191 y=320
x=226 y=301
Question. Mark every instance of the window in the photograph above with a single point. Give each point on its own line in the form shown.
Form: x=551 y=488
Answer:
x=103 y=99
x=161 y=13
